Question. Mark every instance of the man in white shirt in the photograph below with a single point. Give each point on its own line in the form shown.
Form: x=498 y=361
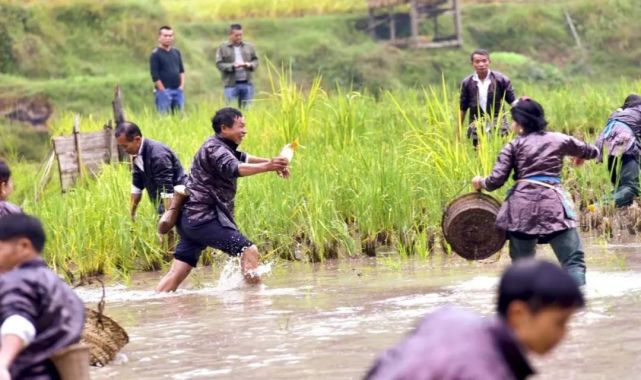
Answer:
x=156 y=167
x=484 y=93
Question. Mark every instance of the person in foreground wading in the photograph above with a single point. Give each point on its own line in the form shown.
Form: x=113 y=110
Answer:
x=536 y=300
x=207 y=217
x=537 y=209
x=39 y=314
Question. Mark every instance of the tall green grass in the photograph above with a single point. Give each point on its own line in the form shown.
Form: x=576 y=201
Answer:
x=373 y=170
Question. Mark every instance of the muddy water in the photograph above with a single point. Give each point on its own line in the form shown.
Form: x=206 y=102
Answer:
x=330 y=320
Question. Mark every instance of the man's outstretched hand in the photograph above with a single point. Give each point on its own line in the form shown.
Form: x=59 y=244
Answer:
x=284 y=173
x=277 y=164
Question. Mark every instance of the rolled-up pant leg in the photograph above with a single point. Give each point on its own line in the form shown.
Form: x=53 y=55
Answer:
x=568 y=249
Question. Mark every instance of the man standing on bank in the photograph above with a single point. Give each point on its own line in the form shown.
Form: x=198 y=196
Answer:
x=156 y=168
x=483 y=94
x=236 y=60
x=207 y=217
x=167 y=73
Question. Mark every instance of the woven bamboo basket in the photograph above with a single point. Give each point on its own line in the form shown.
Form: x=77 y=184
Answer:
x=104 y=337
x=468 y=226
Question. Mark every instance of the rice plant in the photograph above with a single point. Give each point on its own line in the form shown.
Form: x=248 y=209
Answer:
x=375 y=171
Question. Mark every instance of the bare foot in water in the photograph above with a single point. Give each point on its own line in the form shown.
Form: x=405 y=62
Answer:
x=248 y=265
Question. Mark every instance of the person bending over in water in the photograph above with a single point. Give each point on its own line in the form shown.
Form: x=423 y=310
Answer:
x=537 y=209
x=207 y=217
x=536 y=300
x=621 y=139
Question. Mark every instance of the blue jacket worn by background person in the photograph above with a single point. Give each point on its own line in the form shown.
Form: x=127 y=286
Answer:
x=37 y=294
x=212 y=182
x=161 y=170
x=454 y=344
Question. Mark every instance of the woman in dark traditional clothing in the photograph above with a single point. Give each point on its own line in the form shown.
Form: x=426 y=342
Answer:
x=537 y=209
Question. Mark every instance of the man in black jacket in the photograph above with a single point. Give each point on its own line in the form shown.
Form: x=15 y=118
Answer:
x=155 y=167
x=207 y=218
x=483 y=93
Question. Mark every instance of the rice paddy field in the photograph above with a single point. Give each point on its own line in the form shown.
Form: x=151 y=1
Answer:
x=373 y=172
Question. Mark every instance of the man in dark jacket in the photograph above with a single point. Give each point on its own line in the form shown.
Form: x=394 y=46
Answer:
x=207 y=217
x=39 y=313
x=483 y=93
x=155 y=167
x=536 y=301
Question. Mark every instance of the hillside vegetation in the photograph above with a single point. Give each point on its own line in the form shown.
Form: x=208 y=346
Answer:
x=75 y=51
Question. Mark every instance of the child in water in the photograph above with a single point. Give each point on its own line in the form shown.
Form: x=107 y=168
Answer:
x=6 y=188
x=537 y=209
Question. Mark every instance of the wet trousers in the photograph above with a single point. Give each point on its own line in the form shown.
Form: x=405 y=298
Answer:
x=624 y=175
x=566 y=245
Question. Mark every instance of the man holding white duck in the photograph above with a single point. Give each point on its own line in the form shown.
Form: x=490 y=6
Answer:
x=207 y=217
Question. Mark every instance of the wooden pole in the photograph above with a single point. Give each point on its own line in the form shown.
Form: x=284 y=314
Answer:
x=457 y=23
x=414 y=22
x=577 y=39
x=371 y=22
x=119 y=117
x=392 y=23
x=76 y=142
x=119 y=113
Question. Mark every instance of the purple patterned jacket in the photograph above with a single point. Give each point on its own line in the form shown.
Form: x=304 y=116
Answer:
x=455 y=344
x=622 y=133
x=7 y=208
x=36 y=293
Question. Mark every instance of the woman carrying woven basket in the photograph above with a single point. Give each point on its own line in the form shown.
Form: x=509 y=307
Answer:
x=537 y=210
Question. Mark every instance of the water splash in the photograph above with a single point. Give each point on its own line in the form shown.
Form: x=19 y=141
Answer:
x=232 y=278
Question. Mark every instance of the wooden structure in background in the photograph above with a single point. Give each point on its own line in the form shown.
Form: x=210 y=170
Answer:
x=83 y=153
x=391 y=12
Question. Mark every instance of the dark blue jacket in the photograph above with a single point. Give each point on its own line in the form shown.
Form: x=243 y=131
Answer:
x=162 y=170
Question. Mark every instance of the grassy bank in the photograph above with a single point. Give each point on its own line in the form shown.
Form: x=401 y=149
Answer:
x=375 y=170
x=75 y=51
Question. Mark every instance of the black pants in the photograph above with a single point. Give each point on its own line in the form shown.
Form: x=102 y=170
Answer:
x=624 y=175
x=566 y=245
